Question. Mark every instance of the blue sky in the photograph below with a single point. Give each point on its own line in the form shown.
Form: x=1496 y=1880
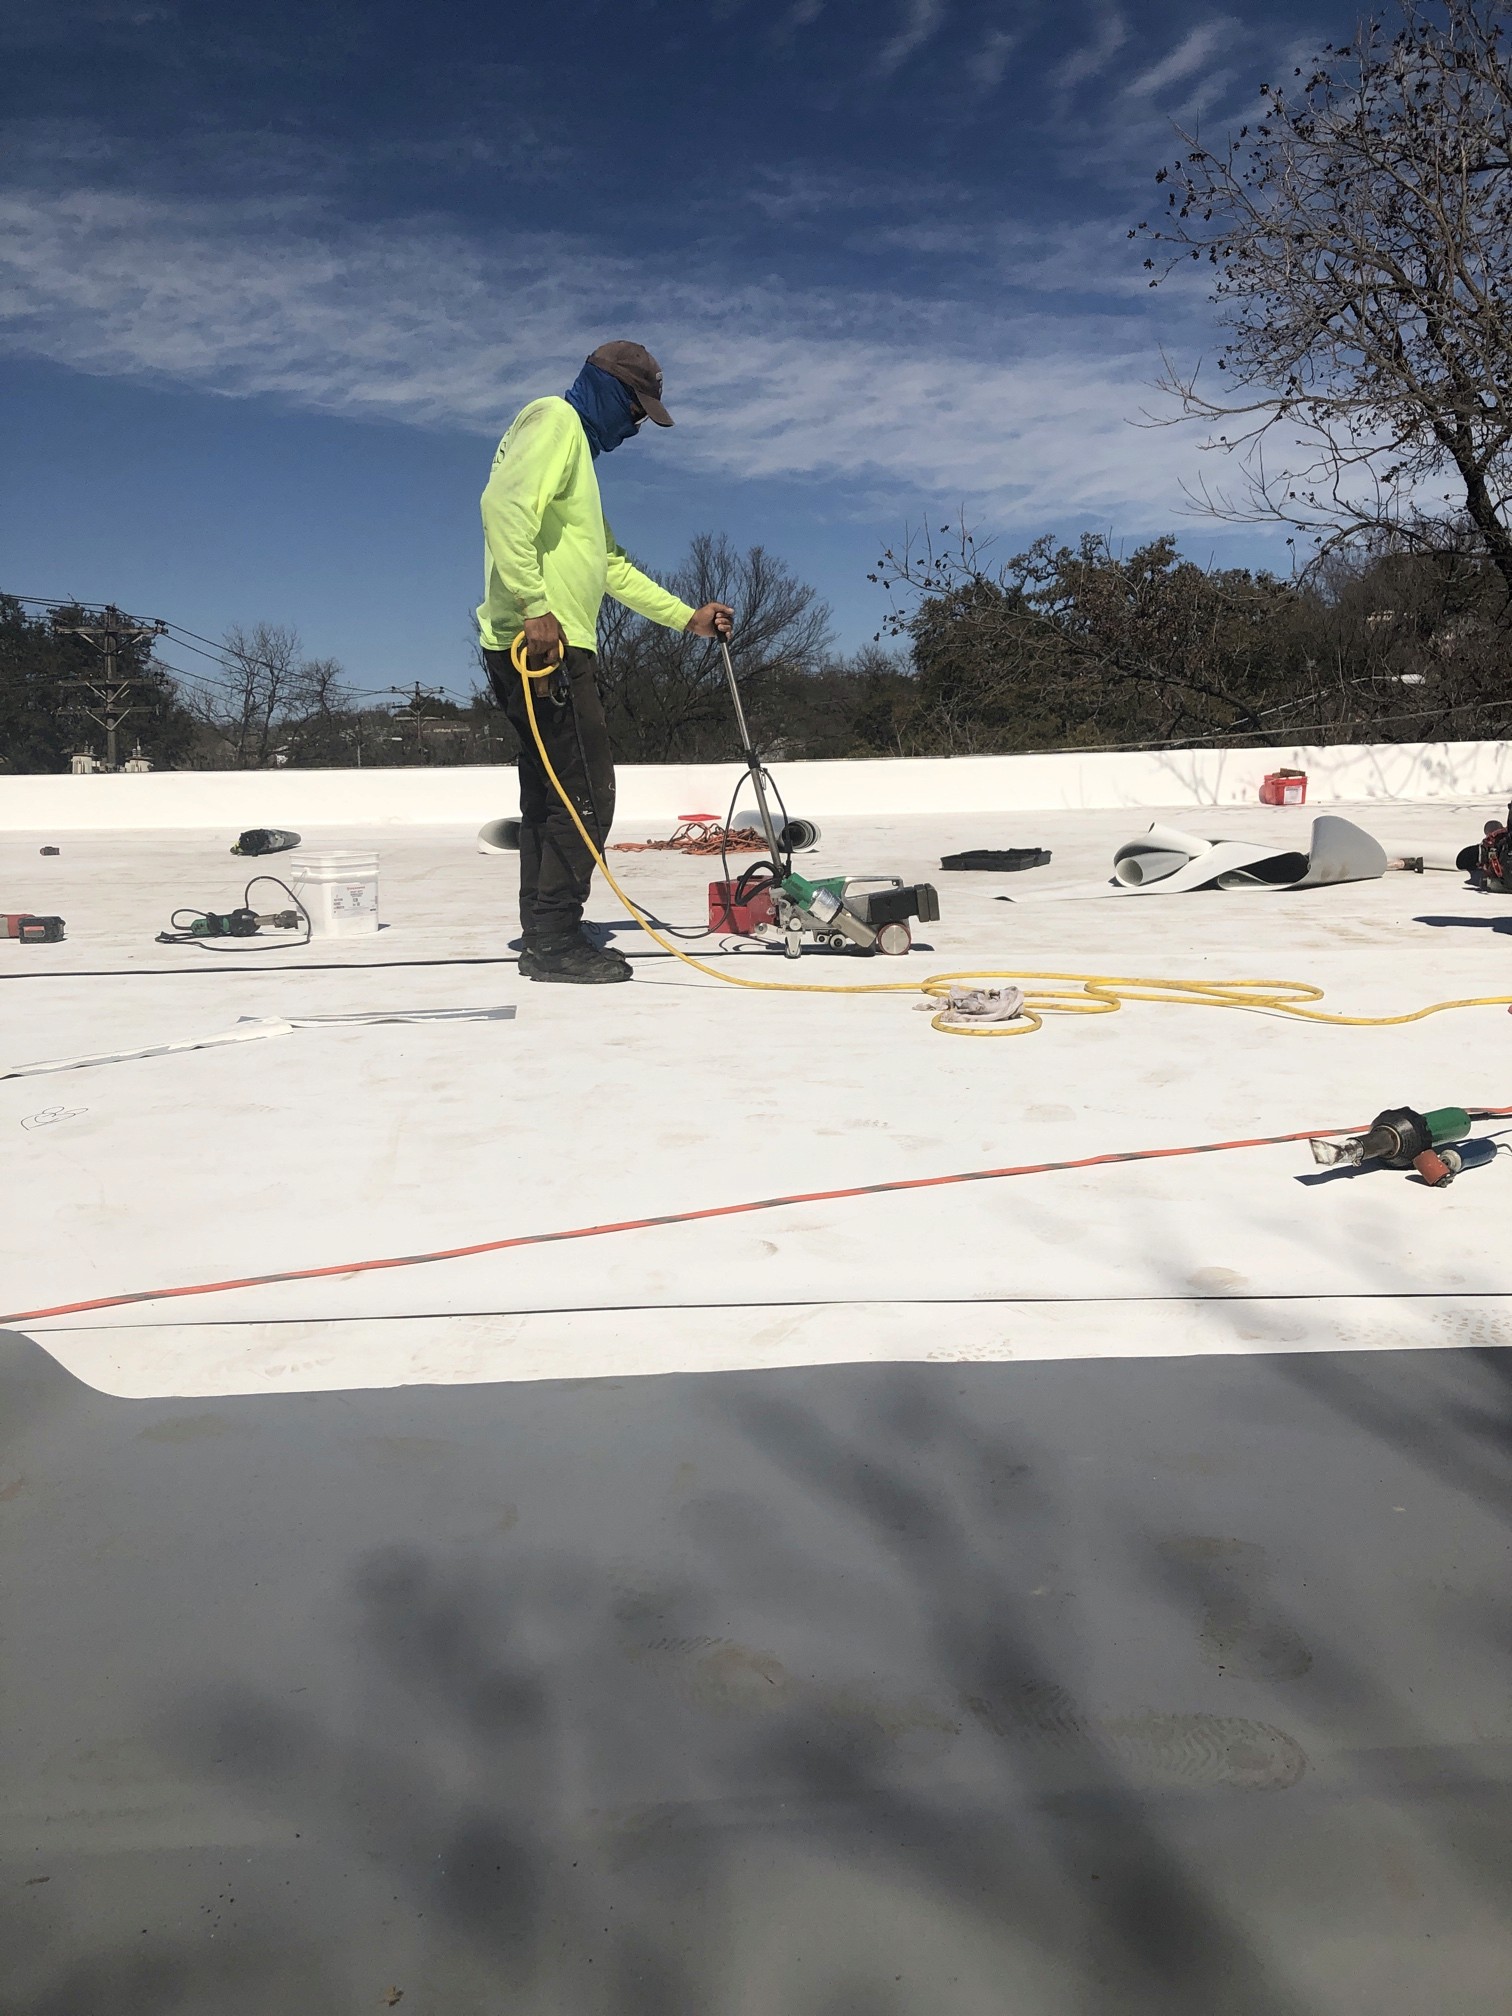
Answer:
x=274 y=279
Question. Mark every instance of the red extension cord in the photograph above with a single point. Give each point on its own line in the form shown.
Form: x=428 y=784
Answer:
x=689 y=1218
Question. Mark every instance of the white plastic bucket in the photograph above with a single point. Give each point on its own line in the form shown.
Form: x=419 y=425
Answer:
x=340 y=891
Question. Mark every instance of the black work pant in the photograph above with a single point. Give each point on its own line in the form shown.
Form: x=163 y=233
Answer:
x=555 y=867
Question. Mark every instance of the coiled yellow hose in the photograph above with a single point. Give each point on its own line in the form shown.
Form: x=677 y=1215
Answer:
x=1087 y=993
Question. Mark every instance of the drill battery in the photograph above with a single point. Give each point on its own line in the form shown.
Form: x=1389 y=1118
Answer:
x=33 y=930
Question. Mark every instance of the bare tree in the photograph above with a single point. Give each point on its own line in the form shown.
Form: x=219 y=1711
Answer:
x=261 y=667
x=318 y=725
x=664 y=692
x=1360 y=232
x=268 y=692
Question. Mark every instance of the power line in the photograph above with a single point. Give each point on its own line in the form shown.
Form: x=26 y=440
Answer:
x=191 y=640
x=217 y=652
x=233 y=659
x=195 y=678
x=233 y=684
x=230 y=660
x=222 y=654
x=51 y=601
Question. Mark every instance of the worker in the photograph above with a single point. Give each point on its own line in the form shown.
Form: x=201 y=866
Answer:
x=549 y=560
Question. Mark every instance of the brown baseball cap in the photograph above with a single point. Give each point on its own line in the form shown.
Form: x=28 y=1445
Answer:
x=635 y=367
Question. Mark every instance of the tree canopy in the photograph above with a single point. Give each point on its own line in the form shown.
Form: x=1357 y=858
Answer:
x=1358 y=236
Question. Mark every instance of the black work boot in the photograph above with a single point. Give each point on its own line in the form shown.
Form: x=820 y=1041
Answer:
x=530 y=946
x=609 y=949
x=569 y=957
x=535 y=942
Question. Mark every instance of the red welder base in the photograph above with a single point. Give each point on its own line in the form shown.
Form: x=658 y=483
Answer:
x=726 y=913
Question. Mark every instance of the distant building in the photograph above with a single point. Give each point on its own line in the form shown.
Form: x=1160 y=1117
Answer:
x=84 y=763
x=136 y=763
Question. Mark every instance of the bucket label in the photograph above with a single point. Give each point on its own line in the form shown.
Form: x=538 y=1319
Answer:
x=354 y=899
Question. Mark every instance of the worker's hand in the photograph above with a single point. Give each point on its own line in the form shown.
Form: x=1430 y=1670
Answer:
x=715 y=619
x=543 y=641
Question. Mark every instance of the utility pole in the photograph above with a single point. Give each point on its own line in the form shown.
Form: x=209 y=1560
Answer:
x=108 y=634
x=413 y=713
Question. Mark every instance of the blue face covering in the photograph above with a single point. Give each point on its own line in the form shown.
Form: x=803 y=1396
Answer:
x=603 y=405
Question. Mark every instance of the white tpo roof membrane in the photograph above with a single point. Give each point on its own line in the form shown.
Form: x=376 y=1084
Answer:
x=340 y=1144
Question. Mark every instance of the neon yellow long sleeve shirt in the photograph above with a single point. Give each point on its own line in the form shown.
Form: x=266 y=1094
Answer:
x=547 y=544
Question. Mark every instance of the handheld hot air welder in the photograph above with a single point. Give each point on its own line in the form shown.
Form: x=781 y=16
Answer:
x=1436 y=1144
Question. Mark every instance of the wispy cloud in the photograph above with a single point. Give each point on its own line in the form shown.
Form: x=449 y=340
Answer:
x=802 y=14
x=990 y=59
x=1034 y=437
x=1109 y=33
x=69 y=23
x=1192 y=53
x=1026 y=266
x=421 y=324
x=818 y=193
x=1118 y=123
x=921 y=20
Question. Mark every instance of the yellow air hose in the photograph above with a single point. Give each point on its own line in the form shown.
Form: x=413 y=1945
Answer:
x=1087 y=993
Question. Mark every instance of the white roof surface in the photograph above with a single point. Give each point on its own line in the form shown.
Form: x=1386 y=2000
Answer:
x=599 y=1104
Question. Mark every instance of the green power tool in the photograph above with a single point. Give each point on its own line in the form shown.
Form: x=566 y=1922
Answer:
x=1401 y=1138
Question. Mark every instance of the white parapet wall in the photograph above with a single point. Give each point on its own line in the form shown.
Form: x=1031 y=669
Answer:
x=1156 y=779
